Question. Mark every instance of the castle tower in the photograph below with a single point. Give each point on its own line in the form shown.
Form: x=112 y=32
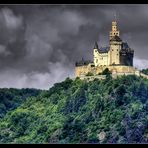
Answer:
x=95 y=54
x=115 y=31
x=115 y=48
x=115 y=45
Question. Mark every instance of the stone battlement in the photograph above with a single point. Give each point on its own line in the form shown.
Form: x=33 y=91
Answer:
x=83 y=70
x=116 y=70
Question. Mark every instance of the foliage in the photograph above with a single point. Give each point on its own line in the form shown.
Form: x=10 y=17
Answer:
x=12 y=98
x=107 y=73
x=145 y=71
x=76 y=111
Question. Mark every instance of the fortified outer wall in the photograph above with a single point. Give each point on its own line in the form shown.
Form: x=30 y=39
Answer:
x=83 y=70
x=116 y=70
x=91 y=78
x=144 y=75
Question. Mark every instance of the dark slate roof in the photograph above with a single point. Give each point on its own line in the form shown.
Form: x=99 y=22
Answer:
x=116 y=38
x=103 y=49
x=125 y=45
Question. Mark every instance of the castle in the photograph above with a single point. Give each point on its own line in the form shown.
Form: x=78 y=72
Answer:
x=117 y=57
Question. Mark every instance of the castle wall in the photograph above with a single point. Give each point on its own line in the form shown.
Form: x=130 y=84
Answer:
x=83 y=70
x=91 y=78
x=126 y=59
x=115 y=48
x=100 y=58
x=144 y=75
x=103 y=59
x=116 y=70
x=96 y=57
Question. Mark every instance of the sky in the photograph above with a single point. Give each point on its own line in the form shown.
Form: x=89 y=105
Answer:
x=39 y=44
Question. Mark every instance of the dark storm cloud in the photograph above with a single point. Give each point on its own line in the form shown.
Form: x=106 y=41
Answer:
x=39 y=44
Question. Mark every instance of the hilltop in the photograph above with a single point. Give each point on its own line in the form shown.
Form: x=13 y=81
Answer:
x=76 y=111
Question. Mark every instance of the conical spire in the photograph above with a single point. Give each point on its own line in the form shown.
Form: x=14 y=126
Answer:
x=96 y=45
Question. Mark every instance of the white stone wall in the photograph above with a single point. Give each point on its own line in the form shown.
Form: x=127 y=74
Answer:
x=100 y=58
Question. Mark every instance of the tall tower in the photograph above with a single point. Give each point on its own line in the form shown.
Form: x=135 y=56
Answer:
x=115 y=31
x=115 y=45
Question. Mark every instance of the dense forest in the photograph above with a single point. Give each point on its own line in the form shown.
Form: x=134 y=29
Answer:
x=76 y=111
x=11 y=98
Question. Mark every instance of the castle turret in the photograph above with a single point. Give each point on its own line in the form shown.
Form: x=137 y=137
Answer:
x=95 y=54
x=96 y=45
x=126 y=55
x=115 y=31
x=115 y=45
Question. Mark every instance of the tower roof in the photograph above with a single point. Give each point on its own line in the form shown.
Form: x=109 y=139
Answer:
x=125 y=45
x=96 y=45
x=116 y=38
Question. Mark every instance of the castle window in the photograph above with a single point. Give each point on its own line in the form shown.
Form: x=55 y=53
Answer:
x=112 y=49
x=114 y=33
x=117 y=54
x=117 y=49
x=96 y=60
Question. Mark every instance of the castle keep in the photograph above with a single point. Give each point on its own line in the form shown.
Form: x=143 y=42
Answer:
x=117 y=57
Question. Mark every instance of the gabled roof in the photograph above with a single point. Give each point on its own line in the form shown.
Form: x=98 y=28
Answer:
x=116 y=38
x=103 y=49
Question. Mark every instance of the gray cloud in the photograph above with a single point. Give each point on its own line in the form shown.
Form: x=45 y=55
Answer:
x=10 y=19
x=42 y=80
x=39 y=44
